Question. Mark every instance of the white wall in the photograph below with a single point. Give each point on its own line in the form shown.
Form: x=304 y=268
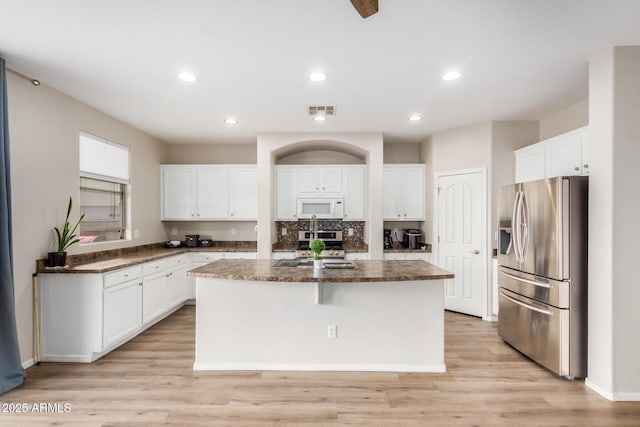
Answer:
x=44 y=126
x=401 y=153
x=198 y=154
x=614 y=138
x=270 y=146
x=572 y=117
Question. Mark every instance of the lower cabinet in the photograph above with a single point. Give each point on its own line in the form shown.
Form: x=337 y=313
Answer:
x=122 y=311
x=85 y=316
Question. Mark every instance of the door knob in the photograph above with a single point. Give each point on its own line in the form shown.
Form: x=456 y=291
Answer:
x=476 y=252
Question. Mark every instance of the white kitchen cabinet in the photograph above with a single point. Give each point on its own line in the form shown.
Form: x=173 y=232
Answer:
x=154 y=290
x=178 y=192
x=179 y=288
x=212 y=201
x=403 y=192
x=286 y=193
x=122 y=311
x=283 y=255
x=85 y=316
x=408 y=256
x=243 y=193
x=562 y=155
x=319 y=181
x=530 y=163
x=354 y=193
x=209 y=192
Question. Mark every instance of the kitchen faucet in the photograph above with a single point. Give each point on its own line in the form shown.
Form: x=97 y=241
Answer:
x=313 y=226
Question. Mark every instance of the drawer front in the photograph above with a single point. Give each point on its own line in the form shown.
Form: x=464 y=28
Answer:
x=121 y=276
x=205 y=258
x=178 y=261
x=154 y=267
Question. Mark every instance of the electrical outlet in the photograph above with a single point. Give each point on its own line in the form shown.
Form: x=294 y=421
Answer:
x=136 y=234
x=284 y=231
x=233 y=231
x=174 y=231
x=332 y=331
x=350 y=232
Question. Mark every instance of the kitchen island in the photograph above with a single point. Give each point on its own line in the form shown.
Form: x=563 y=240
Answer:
x=378 y=316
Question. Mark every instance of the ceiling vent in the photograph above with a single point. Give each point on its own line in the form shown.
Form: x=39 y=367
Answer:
x=327 y=110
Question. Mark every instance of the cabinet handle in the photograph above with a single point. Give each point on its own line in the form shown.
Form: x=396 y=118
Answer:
x=398 y=215
x=294 y=215
x=198 y=213
x=586 y=166
x=126 y=275
x=405 y=214
x=140 y=284
x=316 y=188
x=231 y=215
x=322 y=188
x=577 y=168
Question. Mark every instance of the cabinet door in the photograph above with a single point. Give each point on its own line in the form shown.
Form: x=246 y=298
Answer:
x=413 y=193
x=354 y=193
x=243 y=193
x=154 y=297
x=564 y=156
x=178 y=192
x=308 y=180
x=530 y=164
x=392 y=196
x=213 y=192
x=122 y=311
x=331 y=180
x=286 y=189
x=179 y=287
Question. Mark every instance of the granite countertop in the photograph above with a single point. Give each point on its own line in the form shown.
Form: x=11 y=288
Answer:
x=106 y=261
x=365 y=271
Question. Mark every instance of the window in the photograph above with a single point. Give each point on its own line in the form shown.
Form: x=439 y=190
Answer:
x=104 y=177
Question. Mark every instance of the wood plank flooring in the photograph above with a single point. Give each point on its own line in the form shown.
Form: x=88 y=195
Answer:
x=150 y=381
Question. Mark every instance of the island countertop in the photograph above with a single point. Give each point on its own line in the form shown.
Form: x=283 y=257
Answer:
x=364 y=271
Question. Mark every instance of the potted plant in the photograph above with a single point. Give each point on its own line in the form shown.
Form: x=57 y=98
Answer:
x=65 y=238
x=317 y=246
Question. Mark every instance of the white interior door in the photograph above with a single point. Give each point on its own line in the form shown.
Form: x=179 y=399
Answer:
x=460 y=247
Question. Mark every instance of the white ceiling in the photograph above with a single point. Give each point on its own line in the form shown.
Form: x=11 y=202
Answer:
x=520 y=59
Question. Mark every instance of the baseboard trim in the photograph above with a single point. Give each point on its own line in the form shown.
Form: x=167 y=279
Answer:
x=602 y=392
x=317 y=367
x=28 y=363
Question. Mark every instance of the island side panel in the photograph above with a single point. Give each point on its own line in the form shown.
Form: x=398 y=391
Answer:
x=381 y=326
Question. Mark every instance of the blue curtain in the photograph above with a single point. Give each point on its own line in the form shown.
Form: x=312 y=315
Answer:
x=11 y=372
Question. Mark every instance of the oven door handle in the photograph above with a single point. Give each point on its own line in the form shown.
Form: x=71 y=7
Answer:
x=527 y=306
x=531 y=282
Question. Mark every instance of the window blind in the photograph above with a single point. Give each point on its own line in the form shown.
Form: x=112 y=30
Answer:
x=102 y=159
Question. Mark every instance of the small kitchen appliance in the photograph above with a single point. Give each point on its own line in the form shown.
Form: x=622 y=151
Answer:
x=412 y=238
x=388 y=241
x=206 y=243
x=191 y=240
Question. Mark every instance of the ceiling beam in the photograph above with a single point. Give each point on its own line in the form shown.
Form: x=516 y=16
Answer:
x=365 y=8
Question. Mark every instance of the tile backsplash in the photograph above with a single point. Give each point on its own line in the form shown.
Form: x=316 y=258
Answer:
x=294 y=226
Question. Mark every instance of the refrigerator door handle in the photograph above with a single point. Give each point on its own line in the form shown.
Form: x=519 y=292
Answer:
x=525 y=228
x=527 y=306
x=531 y=282
x=514 y=227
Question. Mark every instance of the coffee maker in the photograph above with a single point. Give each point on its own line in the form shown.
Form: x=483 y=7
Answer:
x=388 y=241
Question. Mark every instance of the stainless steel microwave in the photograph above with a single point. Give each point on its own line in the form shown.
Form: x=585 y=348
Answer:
x=331 y=208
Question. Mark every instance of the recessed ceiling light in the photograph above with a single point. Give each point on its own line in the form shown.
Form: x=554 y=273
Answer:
x=320 y=118
x=451 y=75
x=185 y=76
x=231 y=121
x=415 y=118
x=318 y=76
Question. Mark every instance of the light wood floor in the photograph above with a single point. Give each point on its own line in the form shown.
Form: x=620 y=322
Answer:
x=150 y=381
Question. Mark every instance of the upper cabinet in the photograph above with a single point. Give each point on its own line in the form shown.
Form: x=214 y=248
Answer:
x=209 y=192
x=312 y=181
x=562 y=155
x=403 y=192
x=320 y=181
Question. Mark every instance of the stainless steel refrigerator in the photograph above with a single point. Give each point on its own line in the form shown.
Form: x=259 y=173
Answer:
x=542 y=272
